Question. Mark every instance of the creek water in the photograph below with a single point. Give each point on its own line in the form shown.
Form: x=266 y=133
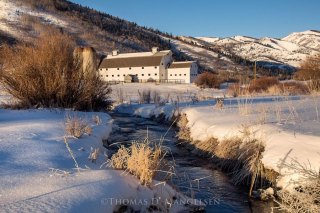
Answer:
x=195 y=176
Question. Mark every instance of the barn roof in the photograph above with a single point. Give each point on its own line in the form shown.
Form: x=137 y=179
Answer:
x=185 y=64
x=140 y=61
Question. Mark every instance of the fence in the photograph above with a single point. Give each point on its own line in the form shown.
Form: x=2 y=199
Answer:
x=161 y=81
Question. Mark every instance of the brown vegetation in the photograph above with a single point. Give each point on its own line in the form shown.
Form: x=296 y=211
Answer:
x=269 y=85
x=208 y=80
x=240 y=155
x=262 y=84
x=305 y=197
x=140 y=159
x=46 y=74
x=310 y=71
x=77 y=127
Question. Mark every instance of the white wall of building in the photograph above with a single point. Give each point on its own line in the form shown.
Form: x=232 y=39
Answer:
x=161 y=71
x=187 y=74
x=118 y=74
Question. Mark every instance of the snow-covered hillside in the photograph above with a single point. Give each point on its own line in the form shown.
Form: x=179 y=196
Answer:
x=219 y=54
x=289 y=51
x=11 y=18
x=309 y=39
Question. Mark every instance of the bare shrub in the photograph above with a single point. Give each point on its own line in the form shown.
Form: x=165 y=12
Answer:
x=262 y=84
x=119 y=96
x=244 y=106
x=46 y=74
x=77 y=127
x=236 y=90
x=184 y=131
x=289 y=88
x=96 y=119
x=144 y=96
x=156 y=98
x=94 y=154
x=305 y=197
x=310 y=71
x=140 y=159
x=208 y=80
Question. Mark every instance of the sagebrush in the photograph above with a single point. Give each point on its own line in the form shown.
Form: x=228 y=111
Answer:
x=48 y=74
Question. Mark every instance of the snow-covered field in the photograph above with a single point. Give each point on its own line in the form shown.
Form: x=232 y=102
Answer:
x=38 y=174
x=130 y=92
x=288 y=126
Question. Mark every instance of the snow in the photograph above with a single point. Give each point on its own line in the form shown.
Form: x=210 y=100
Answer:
x=10 y=14
x=208 y=39
x=309 y=39
x=37 y=173
x=244 y=38
x=288 y=126
x=131 y=91
x=289 y=51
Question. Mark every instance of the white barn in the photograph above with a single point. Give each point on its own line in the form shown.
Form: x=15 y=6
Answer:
x=147 y=66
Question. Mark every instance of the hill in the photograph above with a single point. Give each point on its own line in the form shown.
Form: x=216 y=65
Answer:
x=24 y=20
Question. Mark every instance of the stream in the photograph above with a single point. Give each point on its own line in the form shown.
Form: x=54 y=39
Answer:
x=195 y=176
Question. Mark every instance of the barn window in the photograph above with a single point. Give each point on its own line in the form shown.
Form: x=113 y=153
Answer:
x=118 y=75
x=155 y=74
x=179 y=74
x=118 y=68
x=107 y=76
x=142 y=67
x=112 y=75
x=107 y=69
x=175 y=75
x=124 y=75
x=129 y=68
x=142 y=74
x=185 y=74
x=155 y=67
x=170 y=74
x=149 y=74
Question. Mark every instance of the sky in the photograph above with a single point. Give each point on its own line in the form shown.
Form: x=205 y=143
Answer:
x=216 y=18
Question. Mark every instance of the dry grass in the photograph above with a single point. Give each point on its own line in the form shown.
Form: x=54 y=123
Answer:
x=184 y=131
x=140 y=160
x=96 y=119
x=47 y=74
x=289 y=88
x=269 y=86
x=306 y=197
x=77 y=127
x=71 y=154
x=241 y=155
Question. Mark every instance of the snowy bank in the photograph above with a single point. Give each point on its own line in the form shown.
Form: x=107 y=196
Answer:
x=37 y=173
x=288 y=126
